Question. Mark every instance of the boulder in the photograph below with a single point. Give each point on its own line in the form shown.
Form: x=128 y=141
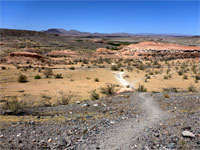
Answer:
x=188 y=134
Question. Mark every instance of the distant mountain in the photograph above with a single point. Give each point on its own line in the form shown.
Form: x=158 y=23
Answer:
x=63 y=32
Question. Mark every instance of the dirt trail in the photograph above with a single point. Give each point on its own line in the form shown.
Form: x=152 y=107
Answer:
x=119 y=77
x=124 y=135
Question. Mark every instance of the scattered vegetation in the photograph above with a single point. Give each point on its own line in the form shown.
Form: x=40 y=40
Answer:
x=94 y=95
x=14 y=106
x=108 y=90
x=58 y=76
x=37 y=77
x=192 y=88
x=3 y=68
x=22 y=78
x=96 y=79
x=72 y=68
x=66 y=97
x=141 y=88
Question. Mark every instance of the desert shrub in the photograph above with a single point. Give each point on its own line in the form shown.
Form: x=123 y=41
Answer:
x=37 y=77
x=185 y=77
x=46 y=100
x=72 y=68
x=180 y=72
x=114 y=68
x=183 y=144
x=141 y=88
x=166 y=95
x=141 y=66
x=22 y=78
x=165 y=77
x=108 y=90
x=94 y=95
x=58 y=76
x=196 y=81
x=66 y=97
x=88 y=78
x=197 y=77
x=14 y=106
x=151 y=73
x=3 y=68
x=96 y=79
x=48 y=72
x=191 y=88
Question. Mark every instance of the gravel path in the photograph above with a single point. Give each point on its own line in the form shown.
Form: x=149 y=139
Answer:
x=125 y=134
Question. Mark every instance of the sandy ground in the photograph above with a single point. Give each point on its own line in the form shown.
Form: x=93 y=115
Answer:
x=80 y=81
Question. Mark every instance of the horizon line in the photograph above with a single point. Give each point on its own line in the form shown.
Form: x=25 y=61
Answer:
x=169 y=34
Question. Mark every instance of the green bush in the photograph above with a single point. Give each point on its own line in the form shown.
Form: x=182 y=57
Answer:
x=72 y=68
x=114 y=68
x=96 y=79
x=3 y=68
x=22 y=78
x=108 y=90
x=141 y=88
x=180 y=72
x=94 y=95
x=197 y=77
x=37 y=77
x=58 y=76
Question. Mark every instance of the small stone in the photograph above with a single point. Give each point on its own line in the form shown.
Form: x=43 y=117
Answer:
x=1 y=136
x=50 y=140
x=188 y=134
x=171 y=146
x=78 y=102
x=18 y=135
x=112 y=122
x=95 y=105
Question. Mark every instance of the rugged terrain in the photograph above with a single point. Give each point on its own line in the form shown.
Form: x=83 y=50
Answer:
x=125 y=121
x=76 y=90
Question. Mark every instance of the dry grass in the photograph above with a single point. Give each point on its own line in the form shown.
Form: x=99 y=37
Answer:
x=73 y=80
x=157 y=81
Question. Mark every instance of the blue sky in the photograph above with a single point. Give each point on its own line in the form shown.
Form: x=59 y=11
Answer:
x=173 y=17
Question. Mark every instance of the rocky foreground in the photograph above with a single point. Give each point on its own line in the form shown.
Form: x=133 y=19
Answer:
x=155 y=121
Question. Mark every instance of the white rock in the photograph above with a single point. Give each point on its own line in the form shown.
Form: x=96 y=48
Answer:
x=84 y=105
x=78 y=102
x=1 y=136
x=95 y=105
x=112 y=122
x=188 y=134
x=49 y=140
x=18 y=135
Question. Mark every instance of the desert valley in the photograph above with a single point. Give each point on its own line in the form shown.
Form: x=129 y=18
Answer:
x=77 y=90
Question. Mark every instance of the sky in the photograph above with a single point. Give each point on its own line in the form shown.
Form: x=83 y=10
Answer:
x=157 y=17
